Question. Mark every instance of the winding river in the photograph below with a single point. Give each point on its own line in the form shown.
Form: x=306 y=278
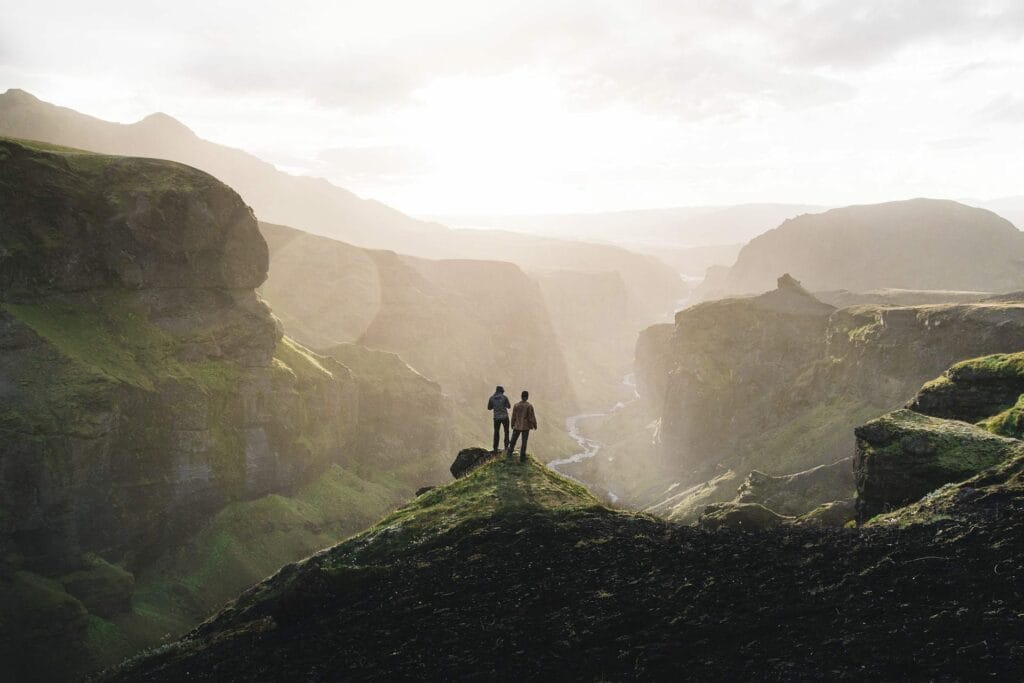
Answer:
x=591 y=447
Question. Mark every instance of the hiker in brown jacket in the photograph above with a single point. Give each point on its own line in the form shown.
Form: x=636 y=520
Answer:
x=523 y=420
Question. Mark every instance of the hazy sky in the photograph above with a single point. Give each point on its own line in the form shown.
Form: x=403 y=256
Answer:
x=522 y=106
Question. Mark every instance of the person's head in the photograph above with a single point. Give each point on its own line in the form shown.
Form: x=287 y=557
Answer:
x=499 y=389
x=525 y=394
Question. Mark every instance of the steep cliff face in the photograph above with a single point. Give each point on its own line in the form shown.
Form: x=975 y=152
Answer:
x=732 y=360
x=141 y=373
x=147 y=397
x=468 y=325
x=743 y=384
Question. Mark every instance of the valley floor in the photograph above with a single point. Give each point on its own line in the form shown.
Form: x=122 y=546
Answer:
x=534 y=591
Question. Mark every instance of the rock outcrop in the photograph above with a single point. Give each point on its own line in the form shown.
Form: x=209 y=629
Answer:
x=794 y=494
x=468 y=459
x=974 y=390
x=910 y=454
x=733 y=367
x=994 y=493
x=904 y=455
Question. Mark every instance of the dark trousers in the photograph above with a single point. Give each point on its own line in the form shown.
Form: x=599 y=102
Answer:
x=498 y=424
x=516 y=433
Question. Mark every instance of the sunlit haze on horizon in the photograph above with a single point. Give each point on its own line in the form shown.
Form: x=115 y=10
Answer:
x=524 y=107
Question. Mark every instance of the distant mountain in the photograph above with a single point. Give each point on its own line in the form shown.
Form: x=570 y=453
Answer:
x=1010 y=208
x=915 y=244
x=688 y=226
x=315 y=205
x=275 y=196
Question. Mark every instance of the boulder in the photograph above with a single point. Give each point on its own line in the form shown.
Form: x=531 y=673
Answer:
x=424 y=489
x=904 y=455
x=467 y=459
x=740 y=516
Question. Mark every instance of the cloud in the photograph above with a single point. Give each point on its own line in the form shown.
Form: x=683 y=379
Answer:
x=845 y=34
x=693 y=59
x=957 y=143
x=1006 y=108
x=372 y=164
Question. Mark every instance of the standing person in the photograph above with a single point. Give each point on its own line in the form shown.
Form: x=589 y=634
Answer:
x=523 y=420
x=499 y=404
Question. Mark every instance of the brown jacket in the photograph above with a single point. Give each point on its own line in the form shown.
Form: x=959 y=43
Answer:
x=523 y=418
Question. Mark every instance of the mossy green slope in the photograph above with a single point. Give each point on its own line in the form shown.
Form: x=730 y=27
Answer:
x=162 y=444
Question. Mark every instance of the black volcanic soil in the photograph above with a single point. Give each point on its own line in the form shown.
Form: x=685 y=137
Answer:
x=604 y=596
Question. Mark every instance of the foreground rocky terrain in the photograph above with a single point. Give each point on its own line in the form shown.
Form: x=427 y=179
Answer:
x=515 y=572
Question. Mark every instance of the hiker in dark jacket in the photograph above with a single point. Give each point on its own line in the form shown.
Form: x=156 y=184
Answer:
x=499 y=404
x=523 y=420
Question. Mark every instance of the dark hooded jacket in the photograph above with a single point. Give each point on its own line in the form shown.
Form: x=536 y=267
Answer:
x=500 y=404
